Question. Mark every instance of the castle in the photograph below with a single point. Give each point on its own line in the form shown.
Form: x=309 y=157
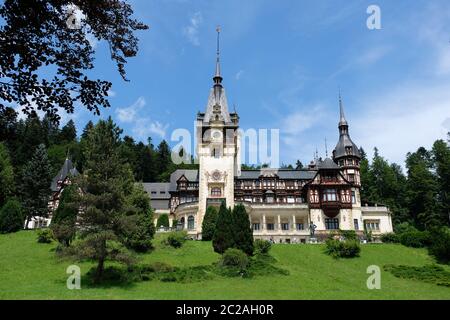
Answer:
x=283 y=205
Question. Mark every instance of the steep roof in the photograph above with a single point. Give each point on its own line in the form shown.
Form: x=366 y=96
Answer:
x=157 y=190
x=328 y=164
x=68 y=169
x=191 y=175
x=344 y=137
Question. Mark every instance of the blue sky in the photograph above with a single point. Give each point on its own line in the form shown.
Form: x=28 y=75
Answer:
x=282 y=63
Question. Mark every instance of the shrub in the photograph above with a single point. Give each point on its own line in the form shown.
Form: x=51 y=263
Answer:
x=342 y=249
x=176 y=239
x=368 y=235
x=414 y=239
x=209 y=224
x=262 y=246
x=432 y=273
x=163 y=221
x=440 y=245
x=349 y=234
x=390 y=238
x=234 y=258
x=45 y=236
x=11 y=217
x=404 y=227
x=159 y=267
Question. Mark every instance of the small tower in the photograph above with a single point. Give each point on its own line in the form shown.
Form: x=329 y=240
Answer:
x=346 y=154
x=217 y=148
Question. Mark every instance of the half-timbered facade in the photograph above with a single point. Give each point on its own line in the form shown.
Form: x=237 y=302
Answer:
x=283 y=205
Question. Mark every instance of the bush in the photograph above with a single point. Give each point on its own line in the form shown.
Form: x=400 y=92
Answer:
x=262 y=246
x=176 y=239
x=349 y=234
x=440 y=246
x=45 y=236
x=234 y=258
x=390 y=238
x=163 y=221
x=414 y=239
x=11 y=217
x=404 y=227
x=342 y=249
x=432 y=273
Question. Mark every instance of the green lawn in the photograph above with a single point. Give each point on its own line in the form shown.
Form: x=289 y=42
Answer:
x=29 y=270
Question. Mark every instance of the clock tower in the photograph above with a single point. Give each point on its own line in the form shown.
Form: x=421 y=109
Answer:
x=217 y=148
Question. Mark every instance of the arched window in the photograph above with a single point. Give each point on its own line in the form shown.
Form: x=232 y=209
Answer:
x=182 y=222
x=216 y=192
x=191 y=222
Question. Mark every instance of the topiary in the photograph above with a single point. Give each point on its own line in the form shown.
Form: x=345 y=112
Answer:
x=12 y=217
x=163 y=221
x=262 y=246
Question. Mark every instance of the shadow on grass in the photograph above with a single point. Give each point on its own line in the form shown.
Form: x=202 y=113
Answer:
x=431 y=273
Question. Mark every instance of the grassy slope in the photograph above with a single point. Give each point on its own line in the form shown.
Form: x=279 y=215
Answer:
x=31 y=270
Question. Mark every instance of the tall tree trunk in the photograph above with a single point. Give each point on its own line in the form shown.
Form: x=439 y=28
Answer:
x=99 y=270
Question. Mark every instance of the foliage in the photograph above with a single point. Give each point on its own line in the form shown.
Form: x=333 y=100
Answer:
x=223 y=238
x=163 y=221
x=65 y=216
x=35 y=188
x=234 y=262
x=342 y=249
x=176 y=239
x=242 y=231
x=349 y=234
x=262 y=246
x=45 y=236
x=11 y=217
x=390 y=238
x=38 y=35
x=6 y=175
x=368 y=235
x=431 y=273
x=209 y=223
x=415 y=239
x=439 y=247
x=107 y=217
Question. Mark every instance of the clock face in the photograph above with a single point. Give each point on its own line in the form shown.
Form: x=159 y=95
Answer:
x=217 y=135
x=216 y=175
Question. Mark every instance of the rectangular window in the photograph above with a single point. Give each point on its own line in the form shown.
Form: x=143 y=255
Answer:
x=356 y=223
x=300 y=226
x=270 y=226
x=353 y=197
x=285 y=226
x=256 y=226
x=329 y=195
x=332 y=224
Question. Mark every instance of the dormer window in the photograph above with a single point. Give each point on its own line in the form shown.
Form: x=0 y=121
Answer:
x=349 y=150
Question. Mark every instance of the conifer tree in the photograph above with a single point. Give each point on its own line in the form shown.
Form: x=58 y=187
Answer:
x=35 y=187
x=11 y=217
x=65 y=216
x=209 y=223
x=6 y=175
x=243 y=234
x=223 y=235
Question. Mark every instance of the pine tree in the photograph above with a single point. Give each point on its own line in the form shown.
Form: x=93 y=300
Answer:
x=68 y=133
x=35 y=186
x=105 y=216
x=163 y=221
x=441 y=159
x=223 y=238
x=6 y=175
x=65 y=216
x=209 y=223
x=11 y=217
x=243 y=234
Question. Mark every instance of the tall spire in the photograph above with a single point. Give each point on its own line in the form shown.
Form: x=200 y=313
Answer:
x=342 y=121
x=217 y=77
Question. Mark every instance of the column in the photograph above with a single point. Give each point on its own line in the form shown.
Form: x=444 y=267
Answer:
x=264 y=227
x=279 y=223
x=294 y=227
x=185 y=222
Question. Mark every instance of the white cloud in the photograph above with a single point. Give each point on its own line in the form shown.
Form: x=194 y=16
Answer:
x=239 y=74
x=402 y=120
x=191 y=31
x=128 y=114
x=142 y=127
